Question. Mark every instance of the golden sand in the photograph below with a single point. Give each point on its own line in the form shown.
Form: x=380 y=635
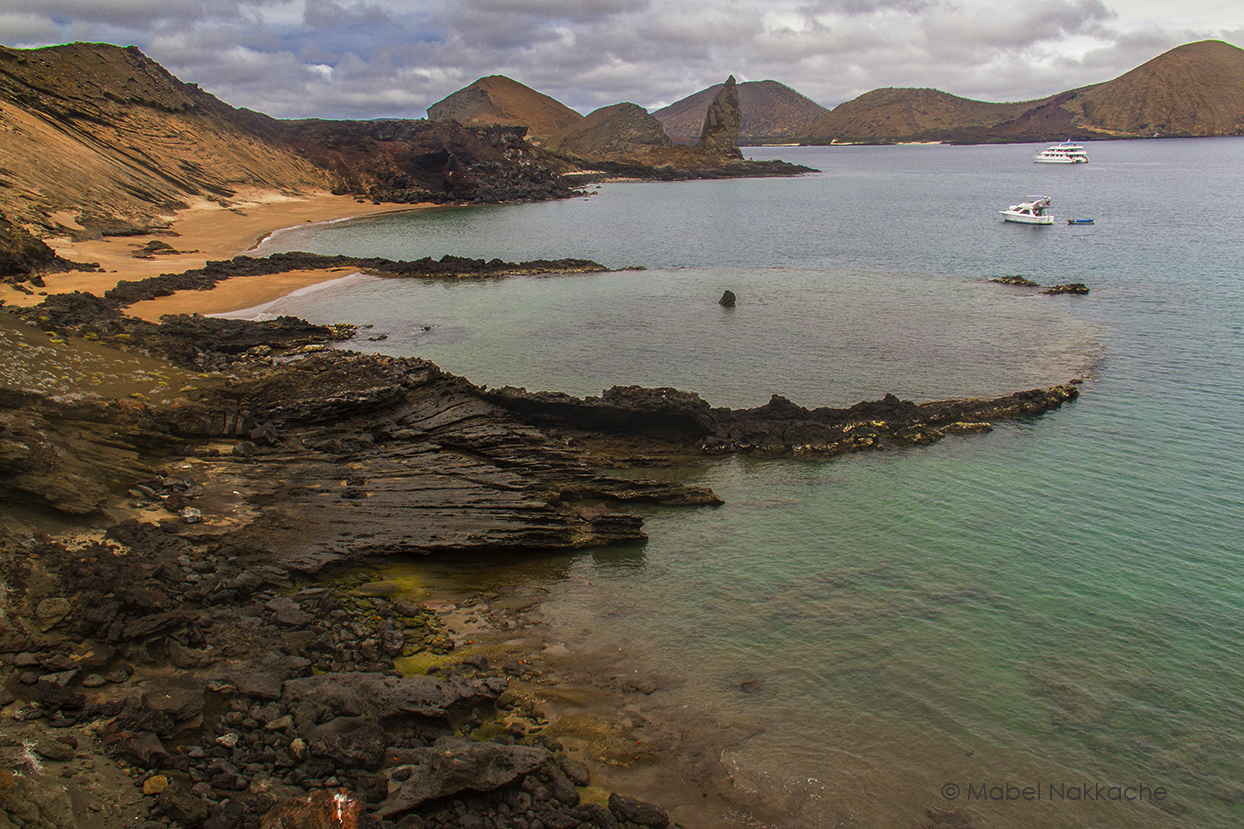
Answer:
x=205 y=231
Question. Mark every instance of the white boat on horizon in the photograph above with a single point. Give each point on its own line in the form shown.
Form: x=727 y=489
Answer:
x=1031 y=212
x=1062 y=153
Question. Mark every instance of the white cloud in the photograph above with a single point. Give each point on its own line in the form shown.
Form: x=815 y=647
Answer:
x=20 y=29
x=374 y=58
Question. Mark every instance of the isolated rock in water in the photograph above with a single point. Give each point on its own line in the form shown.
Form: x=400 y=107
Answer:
x=1069 y=288
x=727 y=299
x=452 y=766
x=720 y=135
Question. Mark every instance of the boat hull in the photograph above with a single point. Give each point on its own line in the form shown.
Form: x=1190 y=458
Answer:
x=1027 y=219
x=1064 y=153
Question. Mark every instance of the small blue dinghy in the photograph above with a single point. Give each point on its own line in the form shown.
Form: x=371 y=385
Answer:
x=1079 y=221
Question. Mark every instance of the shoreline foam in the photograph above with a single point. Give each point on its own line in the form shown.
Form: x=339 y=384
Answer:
x=256 y=311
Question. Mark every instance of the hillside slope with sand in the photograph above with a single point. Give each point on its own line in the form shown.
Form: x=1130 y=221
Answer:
x=98 y=139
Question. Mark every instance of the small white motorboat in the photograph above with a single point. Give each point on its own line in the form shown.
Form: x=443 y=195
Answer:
x=1031 y=212
x=1064 y=153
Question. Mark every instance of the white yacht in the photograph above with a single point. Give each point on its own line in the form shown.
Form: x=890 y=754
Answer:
x=1031 y=212
x=1064 y=153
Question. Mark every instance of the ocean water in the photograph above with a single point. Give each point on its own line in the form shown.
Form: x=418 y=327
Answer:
x=1057 y=606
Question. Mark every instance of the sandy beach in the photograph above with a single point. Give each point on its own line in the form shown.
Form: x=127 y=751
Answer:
x=205 y=231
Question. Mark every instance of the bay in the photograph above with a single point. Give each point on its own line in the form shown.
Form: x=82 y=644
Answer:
x=1054 y=604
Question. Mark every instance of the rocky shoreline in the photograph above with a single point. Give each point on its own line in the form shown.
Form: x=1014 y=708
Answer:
x=184 y=634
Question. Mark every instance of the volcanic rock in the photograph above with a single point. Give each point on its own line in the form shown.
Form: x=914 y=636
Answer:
x=452 y=766
x=179 y=703
x=349 y=742
x=1020 y=281
x=720 y=135
x=638 y=812
x=377 y=696
x=22 y=254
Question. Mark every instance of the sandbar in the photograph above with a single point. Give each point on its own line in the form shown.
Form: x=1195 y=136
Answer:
x=204 y=231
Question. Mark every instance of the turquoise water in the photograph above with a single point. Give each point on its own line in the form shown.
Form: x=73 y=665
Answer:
x=1058 y=602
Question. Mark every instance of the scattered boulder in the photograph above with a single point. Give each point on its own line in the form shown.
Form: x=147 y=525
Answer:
x=50 y=612
x=727 y=300
x=349 y=742
x=142 y=748
x=264 y=678
x=452 y=766
x=179 y=703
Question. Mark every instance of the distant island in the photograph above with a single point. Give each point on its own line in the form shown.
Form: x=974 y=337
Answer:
x=1193 y=90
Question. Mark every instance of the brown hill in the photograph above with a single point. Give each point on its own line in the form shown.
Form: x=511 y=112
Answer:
x=892 y=115
x=616 y=130
x=101 y=137
x=497 y=99
x=1193 y=90
x=772 y=112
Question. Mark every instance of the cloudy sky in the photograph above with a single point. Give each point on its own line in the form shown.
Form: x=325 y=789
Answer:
x=393 y=58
